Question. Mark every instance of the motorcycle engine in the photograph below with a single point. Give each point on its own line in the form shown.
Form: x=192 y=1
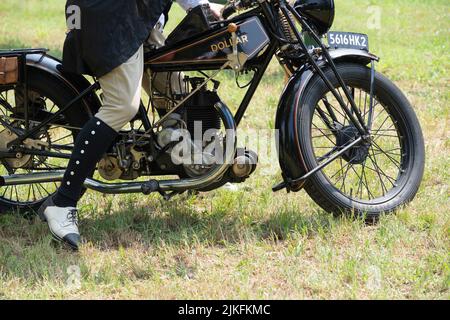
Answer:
x=130 y=159
x=200 y=108
x=198 y=116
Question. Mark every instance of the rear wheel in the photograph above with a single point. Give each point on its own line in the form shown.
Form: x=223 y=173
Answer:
x=46 y=96
x=374 y=177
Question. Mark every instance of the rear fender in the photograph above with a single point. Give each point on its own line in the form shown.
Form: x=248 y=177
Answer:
x=73 y=82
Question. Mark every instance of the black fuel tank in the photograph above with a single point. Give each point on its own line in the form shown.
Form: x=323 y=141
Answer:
x=214 y=47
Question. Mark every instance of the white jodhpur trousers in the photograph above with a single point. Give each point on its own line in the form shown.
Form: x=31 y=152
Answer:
x=122 y=87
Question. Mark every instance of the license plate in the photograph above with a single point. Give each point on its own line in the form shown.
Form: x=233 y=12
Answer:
x=350 y=40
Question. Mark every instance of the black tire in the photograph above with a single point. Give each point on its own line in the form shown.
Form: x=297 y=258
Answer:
x=411 y=152
x=58 y=93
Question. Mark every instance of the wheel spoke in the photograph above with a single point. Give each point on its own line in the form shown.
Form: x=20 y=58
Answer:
x=345 y=177
x=51 y=109
x=323 y=133
x=329 y=108
x=380 y=171
x=29 y=193
x=11 y=193
x=361 y=182
x=5 y=190
x=34 y=193
x=340 y=170
x=62 y=138
x=395 y=162
x=327 y=155
x=17 y=193
x=378 y=136
x=391 y=152
x=375 y=169
x=324 y=118
x=44 y=189
x=332 y=108
x=386 y=135
x=369 y=193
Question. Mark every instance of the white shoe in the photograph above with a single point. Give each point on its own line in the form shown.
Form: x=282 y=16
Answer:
x=63 y=223
x=230 y=187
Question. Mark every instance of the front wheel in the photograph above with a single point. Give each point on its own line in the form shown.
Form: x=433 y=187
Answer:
x=374 y=177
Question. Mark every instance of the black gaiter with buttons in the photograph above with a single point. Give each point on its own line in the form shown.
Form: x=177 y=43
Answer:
x=91 y=144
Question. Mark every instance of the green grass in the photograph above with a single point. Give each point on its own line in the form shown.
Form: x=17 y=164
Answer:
x=252 y=243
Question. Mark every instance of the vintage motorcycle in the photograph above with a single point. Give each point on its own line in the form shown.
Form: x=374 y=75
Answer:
x=347 y=134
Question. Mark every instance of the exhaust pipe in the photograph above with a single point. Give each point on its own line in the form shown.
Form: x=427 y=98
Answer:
x=57 y=176
x=141 y=187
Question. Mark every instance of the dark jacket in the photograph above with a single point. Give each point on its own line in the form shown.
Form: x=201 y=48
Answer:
x=111 y=32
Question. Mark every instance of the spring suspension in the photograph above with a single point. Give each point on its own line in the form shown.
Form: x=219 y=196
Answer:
x=285 y=27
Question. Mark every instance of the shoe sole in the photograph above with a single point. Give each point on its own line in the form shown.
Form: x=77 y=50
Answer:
x=62 y=241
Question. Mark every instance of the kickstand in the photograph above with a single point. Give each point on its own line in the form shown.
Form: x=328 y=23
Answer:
x=167 y=196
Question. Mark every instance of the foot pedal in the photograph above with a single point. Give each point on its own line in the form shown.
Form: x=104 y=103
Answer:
x=150 y=187
x=279 y=187
x=290 y=185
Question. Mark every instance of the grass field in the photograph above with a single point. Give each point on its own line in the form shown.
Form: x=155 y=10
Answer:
x=252 y=243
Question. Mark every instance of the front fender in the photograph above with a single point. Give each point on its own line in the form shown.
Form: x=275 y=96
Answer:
x=289 y=153
x=353 y=55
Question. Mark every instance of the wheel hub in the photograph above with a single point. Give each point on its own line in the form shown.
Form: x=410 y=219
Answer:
x=6 y=136
x=357 y=154
x=21 y=160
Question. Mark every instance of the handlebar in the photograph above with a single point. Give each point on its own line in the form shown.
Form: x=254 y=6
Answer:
x=233 y=6
x=229 y=10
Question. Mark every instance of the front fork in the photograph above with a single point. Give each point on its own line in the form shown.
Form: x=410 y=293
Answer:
x=353 y=112
x=372 y=92
x=358 y=121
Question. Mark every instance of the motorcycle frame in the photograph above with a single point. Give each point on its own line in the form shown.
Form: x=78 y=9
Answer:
x=260 y=64
x=264 y=12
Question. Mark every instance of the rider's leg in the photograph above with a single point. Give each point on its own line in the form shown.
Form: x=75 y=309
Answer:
x=121 y=93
